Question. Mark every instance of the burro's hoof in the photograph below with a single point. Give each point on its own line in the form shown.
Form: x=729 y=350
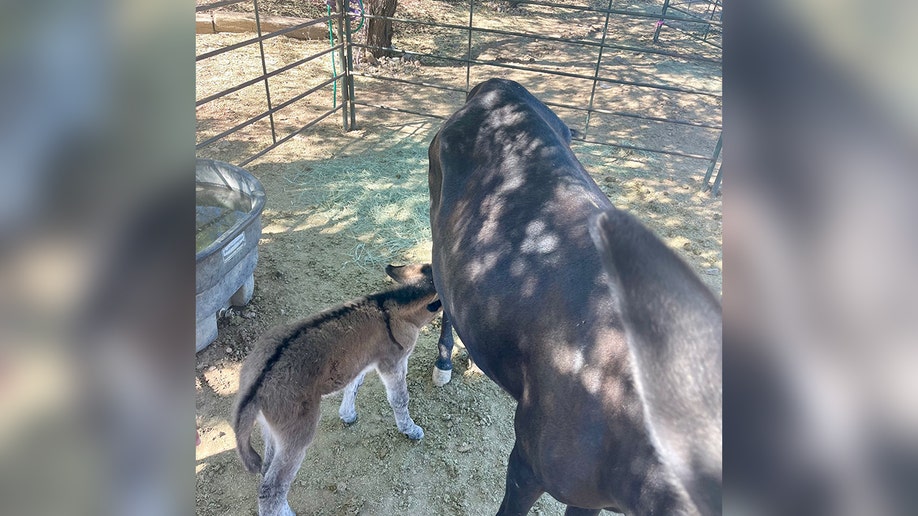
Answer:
x=441 y=377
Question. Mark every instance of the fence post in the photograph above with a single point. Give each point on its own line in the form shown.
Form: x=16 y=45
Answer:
x=707 y=175
x=656 y=32
x=468 y=55
x=342 y=15
x=602 y=46
x=264 y=72
x=715 y=188
x=349 y=70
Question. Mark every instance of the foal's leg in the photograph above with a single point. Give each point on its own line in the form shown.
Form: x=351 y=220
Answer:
x=347 y=411
x=577 y=511
x=268 y=438
x=292 y=434
x=394 y=379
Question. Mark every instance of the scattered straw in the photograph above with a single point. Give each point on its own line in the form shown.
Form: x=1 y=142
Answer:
x=382 y=202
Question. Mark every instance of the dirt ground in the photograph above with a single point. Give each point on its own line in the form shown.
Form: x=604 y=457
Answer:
x=325 y=242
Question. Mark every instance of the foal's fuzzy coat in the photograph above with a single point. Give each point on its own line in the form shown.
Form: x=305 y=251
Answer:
x=292 y=366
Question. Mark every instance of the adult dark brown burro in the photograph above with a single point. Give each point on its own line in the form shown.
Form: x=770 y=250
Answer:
x=618 y=386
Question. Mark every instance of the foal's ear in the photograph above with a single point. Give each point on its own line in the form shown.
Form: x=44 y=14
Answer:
x=435 y=306
x=412 y=273
x=394 y=271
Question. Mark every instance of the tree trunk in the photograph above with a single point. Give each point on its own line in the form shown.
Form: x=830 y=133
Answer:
x=379 y=32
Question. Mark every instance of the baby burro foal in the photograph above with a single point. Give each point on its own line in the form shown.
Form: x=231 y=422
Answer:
x=292 y=366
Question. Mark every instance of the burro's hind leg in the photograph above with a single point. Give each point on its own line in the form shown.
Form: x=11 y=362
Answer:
x=523 y=487
x=348 y=411
x=394 y=377
x=292 y=431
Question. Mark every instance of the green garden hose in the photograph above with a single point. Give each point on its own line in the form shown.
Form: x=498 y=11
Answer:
x=331 y=42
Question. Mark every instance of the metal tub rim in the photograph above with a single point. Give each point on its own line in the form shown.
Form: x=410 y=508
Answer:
x=247 y=184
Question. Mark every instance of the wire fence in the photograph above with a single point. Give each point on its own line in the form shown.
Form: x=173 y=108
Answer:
x=337 y=79
x=704 y=13
x=625 y=56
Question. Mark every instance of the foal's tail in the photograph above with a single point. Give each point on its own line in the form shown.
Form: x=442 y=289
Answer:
x=246 y=410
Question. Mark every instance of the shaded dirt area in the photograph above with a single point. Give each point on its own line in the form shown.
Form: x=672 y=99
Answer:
x=342 y=205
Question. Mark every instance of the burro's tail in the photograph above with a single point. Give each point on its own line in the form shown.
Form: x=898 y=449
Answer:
x=243 y=421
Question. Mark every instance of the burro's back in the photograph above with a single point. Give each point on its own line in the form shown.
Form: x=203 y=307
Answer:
x=293 y=365
x=512 y=253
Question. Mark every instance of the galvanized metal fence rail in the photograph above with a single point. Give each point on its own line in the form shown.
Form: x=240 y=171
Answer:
x=356 y=93
x=271 y=109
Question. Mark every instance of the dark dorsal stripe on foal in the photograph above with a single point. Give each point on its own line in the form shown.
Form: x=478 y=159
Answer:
x=256 y=385
x=402 y=295
x=323 y=318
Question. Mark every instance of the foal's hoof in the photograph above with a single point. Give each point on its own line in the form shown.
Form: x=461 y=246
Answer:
x=441 y=377
x=349 y=419
x=415 y=433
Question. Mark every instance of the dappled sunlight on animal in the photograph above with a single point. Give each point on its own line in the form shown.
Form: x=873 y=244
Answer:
x=547 y=320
